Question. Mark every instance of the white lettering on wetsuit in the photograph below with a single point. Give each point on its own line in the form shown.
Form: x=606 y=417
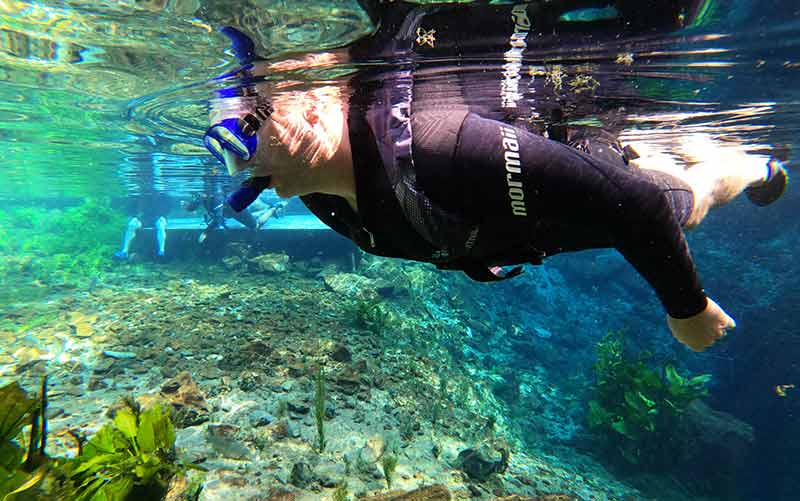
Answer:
x=513 y=171
x=509 y=87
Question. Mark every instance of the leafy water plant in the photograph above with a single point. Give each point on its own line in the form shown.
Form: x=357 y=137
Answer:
x=132 y=458
x=21 y=471
x=319 y=408
x=372 y=315
x=636 y=410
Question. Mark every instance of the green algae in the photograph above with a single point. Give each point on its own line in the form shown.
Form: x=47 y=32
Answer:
x=44 y=249
x=637 y=410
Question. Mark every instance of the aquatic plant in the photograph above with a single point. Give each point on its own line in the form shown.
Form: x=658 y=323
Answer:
x=389 y=463
x=340 y=494
x=319 y=408
x=194 y=488
x=635 y=409
x=369 y=314
x=131 y=458
x=43 y=247
x=22 y=471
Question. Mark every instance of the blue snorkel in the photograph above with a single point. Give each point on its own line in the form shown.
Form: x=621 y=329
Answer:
x=247 y=193
x=239 y=135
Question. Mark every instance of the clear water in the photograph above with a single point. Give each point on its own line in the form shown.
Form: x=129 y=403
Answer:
x=105 y=104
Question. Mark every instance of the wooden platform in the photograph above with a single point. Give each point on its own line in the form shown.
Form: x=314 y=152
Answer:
x=299 y=236
x=283 y=223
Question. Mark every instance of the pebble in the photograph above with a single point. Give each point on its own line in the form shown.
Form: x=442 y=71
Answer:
x=119 y=355
x=222 y=438
x=298 y=408
x=261 y=418
x=302 y=475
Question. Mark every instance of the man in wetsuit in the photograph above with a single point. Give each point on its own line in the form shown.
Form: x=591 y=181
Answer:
x=406 y=163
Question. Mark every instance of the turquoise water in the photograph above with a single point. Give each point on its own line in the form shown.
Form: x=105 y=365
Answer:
x=483 y=390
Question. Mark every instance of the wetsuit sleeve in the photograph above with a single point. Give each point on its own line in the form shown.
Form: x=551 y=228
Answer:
x=519 y=180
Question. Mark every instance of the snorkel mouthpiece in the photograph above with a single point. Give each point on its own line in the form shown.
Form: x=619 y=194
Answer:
x=239 y=135
x=247 y=193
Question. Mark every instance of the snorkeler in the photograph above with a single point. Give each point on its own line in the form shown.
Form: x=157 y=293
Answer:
x=268 y=212
x=215 y=211
x=404 y=163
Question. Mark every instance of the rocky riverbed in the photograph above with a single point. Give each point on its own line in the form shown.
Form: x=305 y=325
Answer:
x=240 y=354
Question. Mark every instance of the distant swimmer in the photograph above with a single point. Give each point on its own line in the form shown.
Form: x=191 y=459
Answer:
x=405 y=165
x=133 y=227
x=275 y=210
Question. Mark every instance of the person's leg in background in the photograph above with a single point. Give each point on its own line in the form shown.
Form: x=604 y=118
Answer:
x=132 y=228
x=717 y=171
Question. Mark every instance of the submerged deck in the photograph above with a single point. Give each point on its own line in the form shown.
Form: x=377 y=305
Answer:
x=300 y=236
x=300 y=222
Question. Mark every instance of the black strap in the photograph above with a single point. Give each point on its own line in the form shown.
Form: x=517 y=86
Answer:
x=480 y=272
x=494 y=274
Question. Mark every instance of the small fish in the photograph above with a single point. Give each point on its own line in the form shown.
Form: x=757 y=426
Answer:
x=780 y=389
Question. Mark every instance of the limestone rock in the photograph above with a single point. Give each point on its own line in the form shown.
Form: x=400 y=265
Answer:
x=269 y=263
x=276 y=494
x=81 y=325
x=480 y=463
x=232 y=262
x=341 y=354
x=432 y=493
x=188 y=403
x=222 y=438
x=351 y=285
x=715 y=447
x=348 y=382
x=543 y=497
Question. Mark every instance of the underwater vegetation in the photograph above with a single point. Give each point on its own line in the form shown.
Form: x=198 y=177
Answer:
x=21 y=469
x=637 y=410
x=41 y=248
x=131 y=458
x=319 y=408
x=369 y=314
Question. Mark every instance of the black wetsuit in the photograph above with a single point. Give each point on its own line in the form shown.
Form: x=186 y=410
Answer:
x=463 y=183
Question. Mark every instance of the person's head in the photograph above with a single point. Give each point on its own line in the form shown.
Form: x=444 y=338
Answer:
x=293 y=137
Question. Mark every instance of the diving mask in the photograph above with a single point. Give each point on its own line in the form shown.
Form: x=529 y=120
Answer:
x=238 y=135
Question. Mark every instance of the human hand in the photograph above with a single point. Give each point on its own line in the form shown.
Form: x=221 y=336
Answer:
x=702 y=330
